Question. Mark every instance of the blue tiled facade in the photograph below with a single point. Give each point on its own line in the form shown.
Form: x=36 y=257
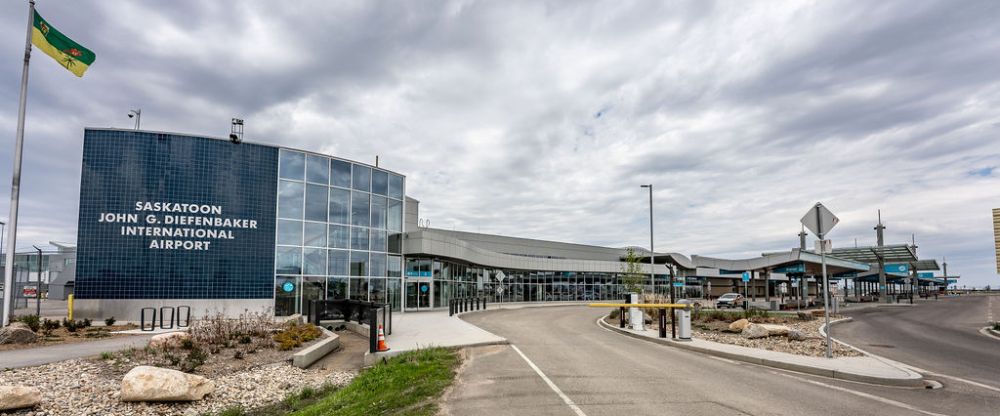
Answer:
x=235 y=181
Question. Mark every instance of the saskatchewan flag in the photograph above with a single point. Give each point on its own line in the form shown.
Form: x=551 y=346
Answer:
x=69 y=54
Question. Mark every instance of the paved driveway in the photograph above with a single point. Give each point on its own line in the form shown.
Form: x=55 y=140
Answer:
x=591 y=371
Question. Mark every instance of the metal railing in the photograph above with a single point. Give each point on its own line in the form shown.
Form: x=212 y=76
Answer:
x=175 y=317
x=459 y=305
x=367 y=313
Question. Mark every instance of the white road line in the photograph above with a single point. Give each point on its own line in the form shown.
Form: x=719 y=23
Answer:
x=860 y=394
x=573 y=406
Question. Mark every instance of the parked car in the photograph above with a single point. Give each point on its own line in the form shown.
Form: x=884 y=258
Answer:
x=729 y=300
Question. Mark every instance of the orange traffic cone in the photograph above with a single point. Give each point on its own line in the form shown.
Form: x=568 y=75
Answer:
x=381 y=340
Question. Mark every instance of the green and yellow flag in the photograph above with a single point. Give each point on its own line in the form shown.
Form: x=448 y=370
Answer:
x=69 y=54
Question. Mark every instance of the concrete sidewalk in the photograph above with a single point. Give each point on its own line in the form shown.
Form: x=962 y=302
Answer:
x=414 y=330
x=865 y=369
x=29 y=357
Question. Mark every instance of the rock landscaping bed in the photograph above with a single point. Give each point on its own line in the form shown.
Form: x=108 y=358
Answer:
x=51 y=332
x=783 y=332
x=219 y=364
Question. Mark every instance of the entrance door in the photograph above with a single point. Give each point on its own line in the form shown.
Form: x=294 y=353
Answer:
x=418 y=295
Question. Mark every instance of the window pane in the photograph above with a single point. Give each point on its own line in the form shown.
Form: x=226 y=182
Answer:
x=396 y=186
x=292 y=164
x=340 y=173
x=362 y=178
x=378 y=265
x=290 y=200
x=378 y=211
x=315 y=234
x=359 y=238
x=340 y=236
x=359 y=263
x=288 y=260
x=359 y=289
x=314 y=261
x=380 y=182
x=395 y=215
x=394 y=267
x=340 y=206
x=317 y=169
x=339 y=262
x=290 y=232
x=378 y=241
x=376 y=288
x=395 y=243
x=360 y=209
x=316 y=201
x=336 y=288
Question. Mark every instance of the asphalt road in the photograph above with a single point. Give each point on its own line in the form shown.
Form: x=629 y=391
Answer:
x=600 y=372
x=939 y=336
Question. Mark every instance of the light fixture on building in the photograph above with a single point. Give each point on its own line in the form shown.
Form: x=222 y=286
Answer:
x=236 y=132
x=137 y=114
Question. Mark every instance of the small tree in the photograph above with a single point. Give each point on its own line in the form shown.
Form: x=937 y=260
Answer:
x=632 y=277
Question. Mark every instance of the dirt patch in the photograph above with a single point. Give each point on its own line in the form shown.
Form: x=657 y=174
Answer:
x=64 y=336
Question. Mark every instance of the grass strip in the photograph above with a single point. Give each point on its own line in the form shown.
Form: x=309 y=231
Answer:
x=407 y=384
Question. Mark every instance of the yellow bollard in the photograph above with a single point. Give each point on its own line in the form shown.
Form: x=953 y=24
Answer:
x=70 y=308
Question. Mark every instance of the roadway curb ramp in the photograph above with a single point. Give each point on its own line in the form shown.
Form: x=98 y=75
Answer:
x=785 y=361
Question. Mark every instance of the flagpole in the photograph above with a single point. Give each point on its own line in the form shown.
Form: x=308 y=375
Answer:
x=8 y=272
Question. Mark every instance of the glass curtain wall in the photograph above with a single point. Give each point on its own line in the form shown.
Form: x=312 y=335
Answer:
x=338 y=233
x=454 y=280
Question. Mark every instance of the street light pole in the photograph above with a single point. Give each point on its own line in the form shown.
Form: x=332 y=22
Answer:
x=38 y=285
x=652 y=275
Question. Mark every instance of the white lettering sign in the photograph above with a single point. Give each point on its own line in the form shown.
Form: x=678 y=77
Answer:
x=177 y=232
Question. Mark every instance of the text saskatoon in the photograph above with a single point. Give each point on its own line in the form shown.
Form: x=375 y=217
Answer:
x=173 y=232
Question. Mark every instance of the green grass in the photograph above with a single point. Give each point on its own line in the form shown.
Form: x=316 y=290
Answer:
x=408 y=384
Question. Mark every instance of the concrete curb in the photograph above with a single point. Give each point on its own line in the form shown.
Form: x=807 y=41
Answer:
x=372 y=359
x=990 y=332
x=802 y=368
x=309 y=355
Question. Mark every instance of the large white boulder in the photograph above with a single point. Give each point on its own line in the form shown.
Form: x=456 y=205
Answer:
x=753 y=331
x=169 y=339
x=739 y=325
x=154 y=384
x=19 y=397
x=773 y=330
x=17 y=333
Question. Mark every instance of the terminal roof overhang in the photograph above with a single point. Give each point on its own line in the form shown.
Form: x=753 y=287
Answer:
x=771 y=261
x=894 y=253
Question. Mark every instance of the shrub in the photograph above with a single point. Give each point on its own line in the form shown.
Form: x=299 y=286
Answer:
x=109 y=321
x=996 y=326
x=50 y=325
x=107 y=355
x=295 y=334
x=31 y=321
x=71 y=326
x=86 y=323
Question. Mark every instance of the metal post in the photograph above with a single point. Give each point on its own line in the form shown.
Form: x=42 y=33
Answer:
x=38 y=285
x=673 y=324
x=663 y=323
x=621 y=317
x=15 y=185
x=826 y=284
x=652 y=274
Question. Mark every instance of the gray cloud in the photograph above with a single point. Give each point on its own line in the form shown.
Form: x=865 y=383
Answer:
x=540 y=119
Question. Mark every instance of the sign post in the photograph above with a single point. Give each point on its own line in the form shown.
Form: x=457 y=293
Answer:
x=500 y=276
x=820 y=221
x=746 y=292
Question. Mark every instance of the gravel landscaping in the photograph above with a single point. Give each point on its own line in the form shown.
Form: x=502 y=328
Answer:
x=92 y=387
x=813 y=346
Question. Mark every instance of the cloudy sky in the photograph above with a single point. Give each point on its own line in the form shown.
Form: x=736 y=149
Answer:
x=541 y=119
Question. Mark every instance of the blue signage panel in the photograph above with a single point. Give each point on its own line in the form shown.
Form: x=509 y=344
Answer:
x=897 y=268
x=925 y=275
x=746 y=276
x=166 y=216
x=792 y=268
x=288 y=287
x=678 y=284
x=411 y=273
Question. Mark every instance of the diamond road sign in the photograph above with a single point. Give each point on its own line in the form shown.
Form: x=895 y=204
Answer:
x=501 y=276
x=819 y=220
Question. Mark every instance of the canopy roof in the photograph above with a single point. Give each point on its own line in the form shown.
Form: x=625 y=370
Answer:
x=901 y=253
x=809 y=261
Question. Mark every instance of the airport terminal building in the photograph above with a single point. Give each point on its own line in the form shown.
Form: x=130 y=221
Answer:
x=179 y=220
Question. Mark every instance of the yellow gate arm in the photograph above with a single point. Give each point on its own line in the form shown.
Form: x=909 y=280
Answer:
x=640 y=305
